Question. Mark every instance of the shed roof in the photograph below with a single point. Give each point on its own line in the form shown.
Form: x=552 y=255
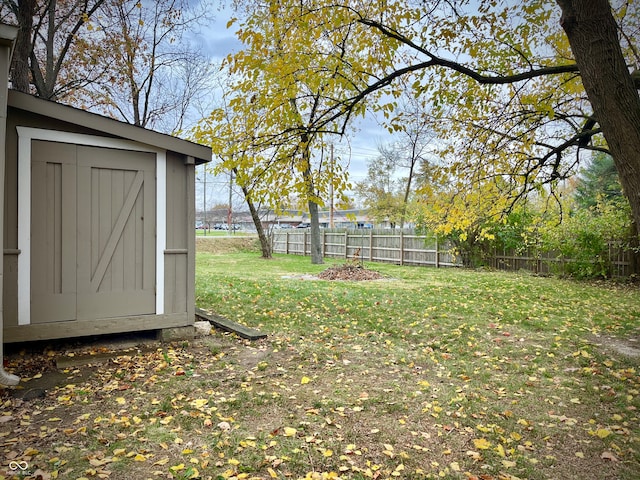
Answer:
x=66 y=113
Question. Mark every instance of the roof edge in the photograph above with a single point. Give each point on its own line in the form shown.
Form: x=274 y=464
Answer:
x=94 y=121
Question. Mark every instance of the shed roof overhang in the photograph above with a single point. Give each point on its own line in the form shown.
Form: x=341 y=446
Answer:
x=58 y=111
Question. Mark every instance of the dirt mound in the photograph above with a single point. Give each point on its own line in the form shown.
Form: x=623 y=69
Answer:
x=221 y=245
x=349 y=272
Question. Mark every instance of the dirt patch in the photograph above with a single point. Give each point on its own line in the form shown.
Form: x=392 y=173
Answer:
x=628 y=347
x=349 y=272
x=223 y=245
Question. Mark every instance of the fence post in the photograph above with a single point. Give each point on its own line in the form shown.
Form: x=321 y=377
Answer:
x=346 y=244
x=286 y=243
x=371 y=245
x=437 y=254
x=401 y=247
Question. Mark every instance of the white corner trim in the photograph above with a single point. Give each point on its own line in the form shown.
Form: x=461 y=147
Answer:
x=25 y=136
x=161 y=226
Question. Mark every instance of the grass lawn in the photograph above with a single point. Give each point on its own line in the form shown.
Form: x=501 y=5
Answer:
x=428 y=373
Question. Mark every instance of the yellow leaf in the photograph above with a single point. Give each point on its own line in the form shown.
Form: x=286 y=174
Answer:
x=455 y=466
x=290 y=432
x=272 y=472
x=305 y=380
x=602 y=433
x=121 y=400
x=139 y=458
x=162 y=461
x=200 y=402
x=508 y=463
x=481 y=443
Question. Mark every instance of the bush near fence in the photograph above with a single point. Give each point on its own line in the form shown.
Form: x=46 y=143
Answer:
x=405 y=247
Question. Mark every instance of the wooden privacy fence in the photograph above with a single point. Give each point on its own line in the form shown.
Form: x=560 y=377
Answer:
x=404 y=247
x=398 y=247
x=618 y=260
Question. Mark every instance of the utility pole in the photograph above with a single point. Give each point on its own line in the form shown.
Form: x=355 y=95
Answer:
x=204 y=198
x=230 y=211
x=331 y=224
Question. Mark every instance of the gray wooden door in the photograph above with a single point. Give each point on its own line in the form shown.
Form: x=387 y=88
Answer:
x=93 y=232
x=53 y=232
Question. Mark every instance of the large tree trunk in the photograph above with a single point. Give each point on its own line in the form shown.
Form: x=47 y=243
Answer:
x=316 y=244
x=20 y=62
x=592 y=34
x=314 y=219
x=265 y=245
x=316 y=247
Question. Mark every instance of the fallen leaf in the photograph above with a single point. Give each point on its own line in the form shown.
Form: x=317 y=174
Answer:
x=601 y=433
x=481 y=443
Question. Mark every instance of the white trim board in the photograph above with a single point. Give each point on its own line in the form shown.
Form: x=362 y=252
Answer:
x=25 y=137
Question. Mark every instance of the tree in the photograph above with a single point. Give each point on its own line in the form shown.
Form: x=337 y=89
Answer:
x=519 y=102
x=153 y=73
x=283 y=84
x=598 y=183
x=380 y=191
x=416 y=134
x=593 y=35
x=48 y=53
x=125 y=58
x=248 y=179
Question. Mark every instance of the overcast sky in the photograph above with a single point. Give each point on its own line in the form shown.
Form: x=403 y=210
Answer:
x=218 y=42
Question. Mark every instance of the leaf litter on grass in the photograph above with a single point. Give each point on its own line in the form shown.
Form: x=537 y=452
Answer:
x=420 y=377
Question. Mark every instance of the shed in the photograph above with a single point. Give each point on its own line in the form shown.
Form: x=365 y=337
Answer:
x=98 y=224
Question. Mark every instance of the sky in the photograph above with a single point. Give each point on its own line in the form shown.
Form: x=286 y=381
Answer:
x=218 y=42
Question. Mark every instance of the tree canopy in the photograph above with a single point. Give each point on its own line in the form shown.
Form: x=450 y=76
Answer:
x=518 y=92
x=128 y=59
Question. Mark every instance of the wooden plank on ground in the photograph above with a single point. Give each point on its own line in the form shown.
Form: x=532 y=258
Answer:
x=227 y=325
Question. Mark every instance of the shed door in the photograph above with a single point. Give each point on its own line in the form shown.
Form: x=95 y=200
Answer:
x=93 y=233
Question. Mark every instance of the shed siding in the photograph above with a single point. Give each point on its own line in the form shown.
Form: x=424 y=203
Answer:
x=178 y=231
x=99 y=313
